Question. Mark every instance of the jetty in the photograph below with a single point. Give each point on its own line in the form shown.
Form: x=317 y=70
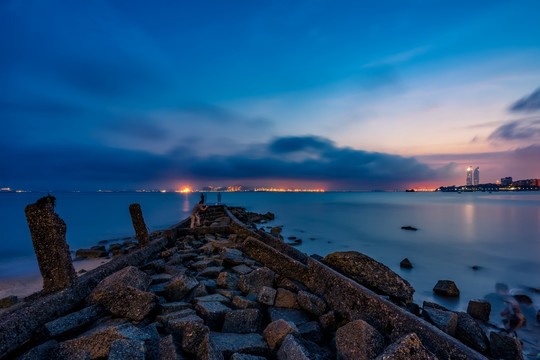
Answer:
x=233 y=289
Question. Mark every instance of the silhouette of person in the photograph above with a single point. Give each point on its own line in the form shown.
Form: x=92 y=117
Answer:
x=219 y=198
x=197 y=209
x=202 y=198
x=512 y=316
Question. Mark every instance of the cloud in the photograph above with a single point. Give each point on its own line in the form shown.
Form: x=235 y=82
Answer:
x=137 y=130
x=91 y=167
x=529 y=103
x=297 y=143
x=523 y=129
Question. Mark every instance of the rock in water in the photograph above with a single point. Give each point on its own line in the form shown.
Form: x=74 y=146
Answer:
x=405 y=263
x=410 y=228
x=371 y=274
x=479 y=309
x=471 y=334
x=505 y=347
x=446 y=288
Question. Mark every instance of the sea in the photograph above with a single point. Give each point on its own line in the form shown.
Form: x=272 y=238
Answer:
x=497 y=233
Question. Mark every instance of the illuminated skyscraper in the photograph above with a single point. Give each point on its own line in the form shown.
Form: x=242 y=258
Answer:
x=469 y=176
x=476 y=178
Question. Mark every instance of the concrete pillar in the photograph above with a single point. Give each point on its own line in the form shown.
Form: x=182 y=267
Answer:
x=138 y=224
x=48 y=232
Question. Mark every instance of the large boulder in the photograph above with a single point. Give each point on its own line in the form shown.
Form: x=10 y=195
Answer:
x=444 y=320
x=311 y=303
x=208 y=350
x=123 y=294
x=276 y=331
x=180 y=286
x=408 y=347
x=74 y=321
x=128 y=276
x=471 y=334
x=188 y=332
x=371 y=274
x=230 y=343
x=293 y=349
x=97 y=342
x=286 y=299
x=167 y=349
x=127 y=349
x=256 y=280
x=358 y=340
x=267 y=295
x=505 y=347
x=213 y=312
x=242 y=321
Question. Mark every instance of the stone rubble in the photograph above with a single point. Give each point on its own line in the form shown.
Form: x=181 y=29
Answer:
x=202 y=297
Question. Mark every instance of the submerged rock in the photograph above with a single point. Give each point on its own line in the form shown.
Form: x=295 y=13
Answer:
x=371 y=274
x=405 y=263
x=446 y=288
x=410 y=228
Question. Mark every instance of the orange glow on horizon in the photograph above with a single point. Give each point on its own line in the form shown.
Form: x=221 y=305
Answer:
x=184 y=190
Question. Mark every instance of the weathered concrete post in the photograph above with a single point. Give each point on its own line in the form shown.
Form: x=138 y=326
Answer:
x=48 y=232
x=138 y=223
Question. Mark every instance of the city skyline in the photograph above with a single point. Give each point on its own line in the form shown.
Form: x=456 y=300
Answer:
x=348 y=96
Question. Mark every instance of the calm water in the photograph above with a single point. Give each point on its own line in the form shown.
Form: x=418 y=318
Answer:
x=498 y=232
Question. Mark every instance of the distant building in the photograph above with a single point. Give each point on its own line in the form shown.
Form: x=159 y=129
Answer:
x=476 y=176
x=469 y=175
x=506 y=181
x=529 y=184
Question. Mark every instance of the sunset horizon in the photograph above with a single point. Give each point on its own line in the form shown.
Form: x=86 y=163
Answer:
x=349 y=96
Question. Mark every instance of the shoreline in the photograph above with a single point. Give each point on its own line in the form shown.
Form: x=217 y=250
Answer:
x=28 y=284
x=271 y=251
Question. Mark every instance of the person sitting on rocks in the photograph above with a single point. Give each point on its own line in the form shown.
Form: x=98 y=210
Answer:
x=512 y=316
x=195 y=213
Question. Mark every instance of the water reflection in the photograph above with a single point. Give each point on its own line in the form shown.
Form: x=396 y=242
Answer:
x=185 y=207
x=469 y=221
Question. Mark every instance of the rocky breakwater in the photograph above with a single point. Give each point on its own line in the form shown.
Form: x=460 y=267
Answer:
x=226 y=290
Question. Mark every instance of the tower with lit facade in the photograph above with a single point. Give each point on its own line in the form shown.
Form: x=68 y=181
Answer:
x=476 y=176
x=469 y=175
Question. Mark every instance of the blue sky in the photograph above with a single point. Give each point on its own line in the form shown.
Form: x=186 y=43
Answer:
x=344 y=95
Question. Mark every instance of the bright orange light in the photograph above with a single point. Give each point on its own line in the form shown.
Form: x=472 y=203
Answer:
x=184 y=190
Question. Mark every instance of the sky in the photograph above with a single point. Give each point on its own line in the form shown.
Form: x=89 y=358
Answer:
x=343 y=95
